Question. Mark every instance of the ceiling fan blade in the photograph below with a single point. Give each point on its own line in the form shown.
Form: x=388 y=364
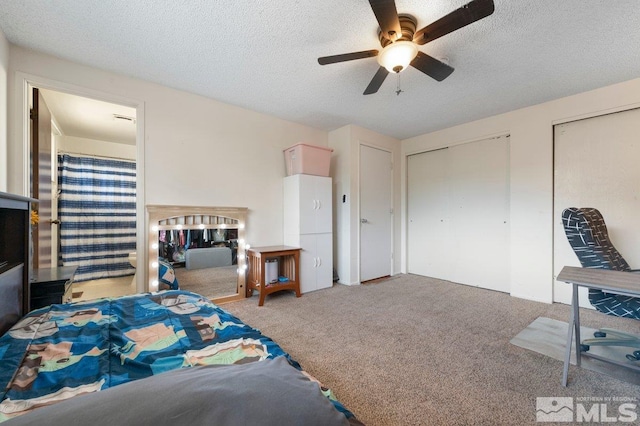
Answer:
x=387 y=16
x=376 y=81
x=347 y=57
x=431 y=66
x=467 y=14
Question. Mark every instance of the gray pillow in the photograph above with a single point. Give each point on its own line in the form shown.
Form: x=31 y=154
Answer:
x=270 y=392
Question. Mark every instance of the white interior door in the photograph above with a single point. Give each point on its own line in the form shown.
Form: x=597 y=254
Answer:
x=458 y=209
x=375 y=213
x=41 y=146
x=596 y=165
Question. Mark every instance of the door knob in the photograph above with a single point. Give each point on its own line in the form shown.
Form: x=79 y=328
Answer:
x=364 y=220
x=55 y=222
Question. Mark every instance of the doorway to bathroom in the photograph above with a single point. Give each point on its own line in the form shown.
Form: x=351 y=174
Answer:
x=83 y=155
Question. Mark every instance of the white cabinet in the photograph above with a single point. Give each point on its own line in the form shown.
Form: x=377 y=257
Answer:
x=316 y=266
x=307 y=204
x=308 y=225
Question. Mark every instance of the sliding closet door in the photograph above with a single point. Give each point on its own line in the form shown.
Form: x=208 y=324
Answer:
x=458 y=206
x=428 y=233
x=480 y=190
x=596 y=164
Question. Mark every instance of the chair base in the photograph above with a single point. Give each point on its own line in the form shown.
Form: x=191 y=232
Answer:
x=609 y=337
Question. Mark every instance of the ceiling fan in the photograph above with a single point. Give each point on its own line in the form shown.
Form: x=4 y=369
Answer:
x=400 y=40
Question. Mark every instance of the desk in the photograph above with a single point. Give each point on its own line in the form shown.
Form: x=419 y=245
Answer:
x=51 y=285
x=288 y=266
x=617 y=282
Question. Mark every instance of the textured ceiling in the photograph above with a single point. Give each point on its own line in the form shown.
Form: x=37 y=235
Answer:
x=262 y=55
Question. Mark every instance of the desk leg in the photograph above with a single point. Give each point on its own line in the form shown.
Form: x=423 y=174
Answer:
x=576 y=319
x=567 y=350
x=574 y=323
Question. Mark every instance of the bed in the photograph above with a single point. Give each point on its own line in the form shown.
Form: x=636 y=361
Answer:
x=158 y=358
x=210 y=257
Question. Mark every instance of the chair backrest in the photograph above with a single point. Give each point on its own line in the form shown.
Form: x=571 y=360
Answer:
x=588 y=236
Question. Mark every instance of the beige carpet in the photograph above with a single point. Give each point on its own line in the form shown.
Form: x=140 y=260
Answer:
x=209 y=282
x=419 y=351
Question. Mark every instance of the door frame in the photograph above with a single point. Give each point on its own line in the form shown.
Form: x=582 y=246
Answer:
x=24 y=83
x=556 y=226
x=38 y=127
x=359 y=215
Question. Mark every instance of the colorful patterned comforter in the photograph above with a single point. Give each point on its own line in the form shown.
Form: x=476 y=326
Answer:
x=62 y=351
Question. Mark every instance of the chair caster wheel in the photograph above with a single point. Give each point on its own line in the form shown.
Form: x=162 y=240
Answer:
x=599 y=334
x=634 y=356
x=584 y=348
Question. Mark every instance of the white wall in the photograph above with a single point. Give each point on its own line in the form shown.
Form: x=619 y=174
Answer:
x=531 y=175
x=340 y=141
x=198 y=151
x=346 y=143
x=202 y=152
x=4 y=67
x=84 y=146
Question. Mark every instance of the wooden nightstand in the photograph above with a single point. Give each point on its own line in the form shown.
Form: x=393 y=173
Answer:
x=288 y=266
x=51 y=285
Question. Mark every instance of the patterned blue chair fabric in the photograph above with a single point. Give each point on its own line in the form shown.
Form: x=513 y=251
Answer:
x=167 y=275
x=588 y=236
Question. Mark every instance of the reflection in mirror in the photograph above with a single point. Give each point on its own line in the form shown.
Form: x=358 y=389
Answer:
x=204 y=260
x=198 y=249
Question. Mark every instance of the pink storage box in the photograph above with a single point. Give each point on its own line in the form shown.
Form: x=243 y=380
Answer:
x=307 y=159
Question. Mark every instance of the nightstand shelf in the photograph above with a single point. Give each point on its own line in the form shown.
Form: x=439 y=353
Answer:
x=51 y=285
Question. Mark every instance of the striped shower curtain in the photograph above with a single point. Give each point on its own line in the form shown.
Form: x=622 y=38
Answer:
x=97 y=210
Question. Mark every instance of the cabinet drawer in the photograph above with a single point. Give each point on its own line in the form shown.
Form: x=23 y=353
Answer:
x=41 y=302
x=49 y=288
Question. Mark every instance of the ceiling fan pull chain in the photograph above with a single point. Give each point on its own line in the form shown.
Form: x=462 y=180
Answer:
x=398 y=89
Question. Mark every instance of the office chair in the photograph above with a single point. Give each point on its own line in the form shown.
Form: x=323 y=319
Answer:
x=167 y=275
x=588 y=236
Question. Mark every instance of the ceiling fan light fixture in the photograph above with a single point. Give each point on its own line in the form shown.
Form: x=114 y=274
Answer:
x=397 y=56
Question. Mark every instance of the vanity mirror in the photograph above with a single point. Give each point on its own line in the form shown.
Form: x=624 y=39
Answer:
x=203 y=246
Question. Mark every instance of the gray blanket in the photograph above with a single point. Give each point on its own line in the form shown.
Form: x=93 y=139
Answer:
x=264 y=393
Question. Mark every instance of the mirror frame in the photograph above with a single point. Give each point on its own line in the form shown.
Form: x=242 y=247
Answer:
x=194 y=217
